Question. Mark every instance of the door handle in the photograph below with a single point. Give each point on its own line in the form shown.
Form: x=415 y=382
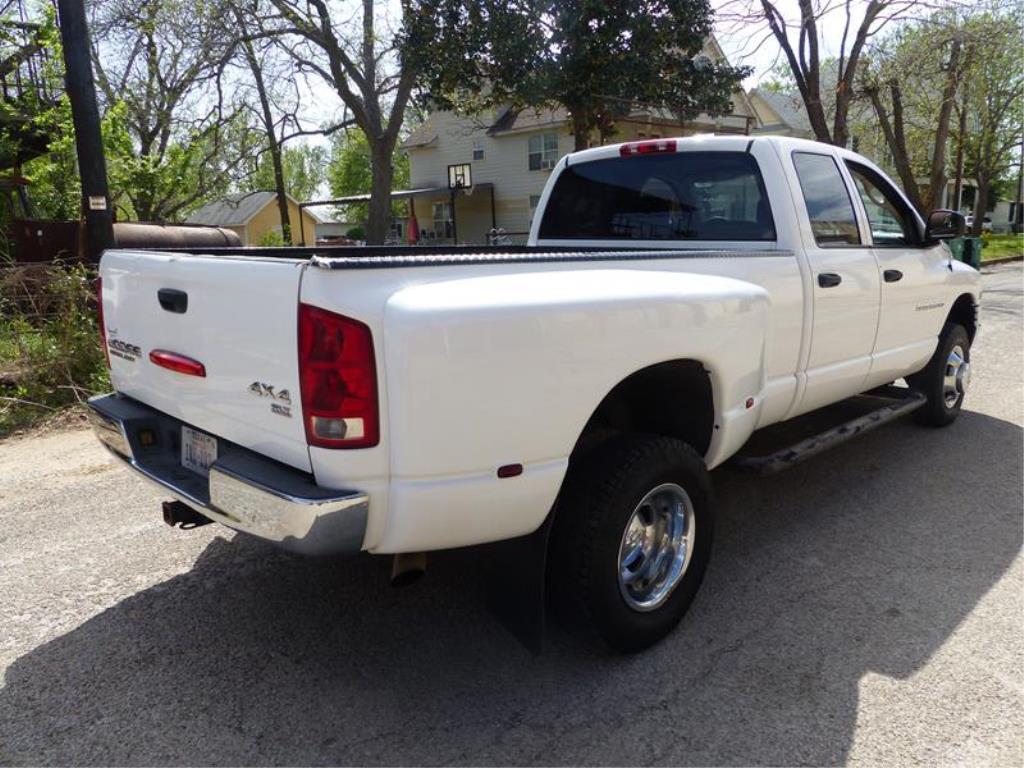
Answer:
x=829 y=279
x=892 y=275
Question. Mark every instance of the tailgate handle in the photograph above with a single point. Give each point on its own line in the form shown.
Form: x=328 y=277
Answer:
x=173 y=300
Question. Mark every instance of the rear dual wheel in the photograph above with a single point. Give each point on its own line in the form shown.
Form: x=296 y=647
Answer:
x=632 y=538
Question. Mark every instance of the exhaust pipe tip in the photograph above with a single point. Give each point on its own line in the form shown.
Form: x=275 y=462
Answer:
x=408 y=568
x=178 y=513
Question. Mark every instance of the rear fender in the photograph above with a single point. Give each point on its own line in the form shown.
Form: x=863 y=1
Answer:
x=505 y=369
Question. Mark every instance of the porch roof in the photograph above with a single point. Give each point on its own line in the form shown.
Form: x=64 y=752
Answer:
x=398 y=194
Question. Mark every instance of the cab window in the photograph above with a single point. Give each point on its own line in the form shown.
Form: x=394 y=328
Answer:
x=676 y=196
x=891 y=221
x=829 y=206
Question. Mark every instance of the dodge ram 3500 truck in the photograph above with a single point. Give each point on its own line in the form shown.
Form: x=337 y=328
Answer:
x=675 y=296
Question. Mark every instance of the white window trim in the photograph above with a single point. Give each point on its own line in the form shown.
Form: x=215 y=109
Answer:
x=548 y=154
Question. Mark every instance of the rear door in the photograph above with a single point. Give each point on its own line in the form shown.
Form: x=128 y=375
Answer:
x=236 y=317
x=844 y=283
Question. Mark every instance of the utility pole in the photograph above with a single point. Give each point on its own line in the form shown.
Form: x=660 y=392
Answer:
x=92 y=165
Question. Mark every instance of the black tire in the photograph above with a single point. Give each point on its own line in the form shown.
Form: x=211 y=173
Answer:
x=931 y=381
x=596 y=505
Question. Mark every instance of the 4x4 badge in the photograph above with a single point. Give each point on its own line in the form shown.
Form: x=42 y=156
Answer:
x=267 y=390
x=260 y=389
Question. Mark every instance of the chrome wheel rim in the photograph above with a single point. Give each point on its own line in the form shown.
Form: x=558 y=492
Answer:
x=656 y=547
x=957 y=376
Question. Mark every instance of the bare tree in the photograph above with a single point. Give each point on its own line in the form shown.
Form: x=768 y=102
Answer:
x=826 y=91
x=163 y=63
x=256 y=64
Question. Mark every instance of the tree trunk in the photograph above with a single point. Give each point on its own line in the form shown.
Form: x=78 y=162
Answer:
x=282 y=192
x=896 y=141
x=273 y=145
x=937 y=179
x=581 y=136
x=379 y=209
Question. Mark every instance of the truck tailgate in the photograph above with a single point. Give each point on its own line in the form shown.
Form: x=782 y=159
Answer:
x=237 y=317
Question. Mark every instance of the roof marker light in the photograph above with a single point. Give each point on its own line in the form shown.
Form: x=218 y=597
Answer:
x=655 y=147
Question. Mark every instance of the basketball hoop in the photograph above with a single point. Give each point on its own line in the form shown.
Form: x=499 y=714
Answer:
x=460 y=176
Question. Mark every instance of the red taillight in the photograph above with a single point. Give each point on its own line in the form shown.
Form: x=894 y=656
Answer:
x=338 y=377
x=99 y=319
x=655 y=147
x=172 y=361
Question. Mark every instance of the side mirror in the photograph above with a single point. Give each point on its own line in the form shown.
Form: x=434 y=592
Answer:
x=944 y=225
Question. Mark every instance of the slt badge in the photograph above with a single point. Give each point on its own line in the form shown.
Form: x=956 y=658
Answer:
x=261 y=389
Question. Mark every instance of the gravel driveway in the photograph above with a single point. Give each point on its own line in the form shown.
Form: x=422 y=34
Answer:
x=864 y=607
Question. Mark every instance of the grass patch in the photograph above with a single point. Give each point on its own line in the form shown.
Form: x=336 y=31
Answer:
x=1002 y=246
x=50 y=357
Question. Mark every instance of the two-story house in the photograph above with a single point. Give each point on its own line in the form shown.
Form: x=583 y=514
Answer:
x=511 y=154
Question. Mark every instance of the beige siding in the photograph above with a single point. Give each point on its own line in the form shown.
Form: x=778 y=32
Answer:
x=269 y=220
x=505 y=164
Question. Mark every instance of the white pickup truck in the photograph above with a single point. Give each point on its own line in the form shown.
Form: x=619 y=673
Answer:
x=675 y=296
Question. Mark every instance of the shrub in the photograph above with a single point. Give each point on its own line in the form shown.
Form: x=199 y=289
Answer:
x=50 y=357
x=271 y=239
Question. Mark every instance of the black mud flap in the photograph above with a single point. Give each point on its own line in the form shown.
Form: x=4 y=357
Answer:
x=516 y=573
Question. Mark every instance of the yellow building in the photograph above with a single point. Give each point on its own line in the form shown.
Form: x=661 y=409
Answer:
x=255 y=218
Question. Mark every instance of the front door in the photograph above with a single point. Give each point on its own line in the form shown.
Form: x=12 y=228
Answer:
x=844 y=281
x=913 y=277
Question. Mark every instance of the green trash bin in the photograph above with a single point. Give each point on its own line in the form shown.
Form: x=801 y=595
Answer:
x=967 y=249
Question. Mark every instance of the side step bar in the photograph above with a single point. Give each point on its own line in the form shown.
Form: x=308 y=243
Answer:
x=904 y=401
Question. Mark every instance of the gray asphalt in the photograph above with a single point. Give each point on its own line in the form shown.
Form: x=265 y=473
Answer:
x=865 y=608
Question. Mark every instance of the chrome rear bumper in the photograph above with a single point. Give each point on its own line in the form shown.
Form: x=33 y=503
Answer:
x=245 y=490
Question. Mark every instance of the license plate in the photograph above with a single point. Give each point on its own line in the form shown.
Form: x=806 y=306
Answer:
x=198 y=451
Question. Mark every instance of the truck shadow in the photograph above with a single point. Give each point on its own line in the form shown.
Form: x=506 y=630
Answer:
x=861 y=561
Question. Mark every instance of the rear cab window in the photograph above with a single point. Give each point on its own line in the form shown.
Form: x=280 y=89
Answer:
x=827 y=199
x=680 y=196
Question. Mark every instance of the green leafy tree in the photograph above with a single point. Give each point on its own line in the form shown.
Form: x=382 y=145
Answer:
x=911 y=80
x=350 y=172
x=305 y=168
x=995 y=105
x=600 y=59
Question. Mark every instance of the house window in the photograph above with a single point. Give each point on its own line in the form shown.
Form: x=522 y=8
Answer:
x=543 y=151
x=443 y=220
x=478 y=150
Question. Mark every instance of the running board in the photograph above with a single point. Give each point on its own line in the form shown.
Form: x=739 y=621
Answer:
x=906 y=400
